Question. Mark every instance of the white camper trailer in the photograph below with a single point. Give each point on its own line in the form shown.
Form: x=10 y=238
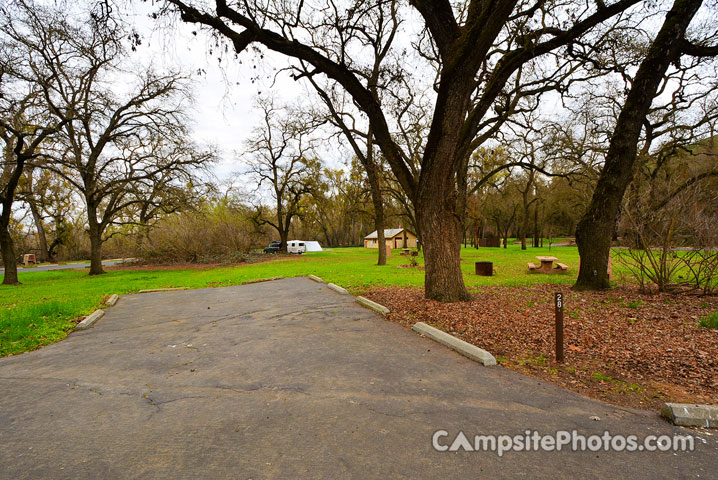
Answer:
x=301 y=246
x=296 y=246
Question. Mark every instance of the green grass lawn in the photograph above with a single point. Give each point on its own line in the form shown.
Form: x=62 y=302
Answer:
x=42 y=309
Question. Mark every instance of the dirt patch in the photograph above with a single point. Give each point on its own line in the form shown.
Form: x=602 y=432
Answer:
x=621 y=346
x=141 y=266
x=145 y=266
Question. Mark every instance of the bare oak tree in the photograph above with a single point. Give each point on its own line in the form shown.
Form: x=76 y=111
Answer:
x=376 y=39
x=22 y=145
x=278 y=160
x=475 y=49
x=26 y=121
x=109 y=142
x=171 y=190
x=595 y=230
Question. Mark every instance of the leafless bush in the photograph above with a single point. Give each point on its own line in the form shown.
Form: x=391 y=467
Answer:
x=650 y=256
x=215 y=233
x=657 y=266
x=702 y=270
x=701 y=264
x=673 y=244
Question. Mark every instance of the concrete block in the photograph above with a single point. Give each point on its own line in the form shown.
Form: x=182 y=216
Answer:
x=153 y=290
x=90 y=320
x=691 y=415
x=337 y=288
x=373 y=305
x=112 y=300
x=315 y=278
x=466 y=349
x=260 y=280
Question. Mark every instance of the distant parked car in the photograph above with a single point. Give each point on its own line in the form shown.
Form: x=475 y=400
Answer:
x=273 y=247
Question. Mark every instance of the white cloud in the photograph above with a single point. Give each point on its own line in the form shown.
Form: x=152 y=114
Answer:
x=224 y=91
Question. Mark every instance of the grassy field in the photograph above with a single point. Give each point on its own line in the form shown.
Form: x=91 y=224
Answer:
x=42 y=309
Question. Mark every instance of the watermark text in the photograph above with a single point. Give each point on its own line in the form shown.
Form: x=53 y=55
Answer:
x=532 y=440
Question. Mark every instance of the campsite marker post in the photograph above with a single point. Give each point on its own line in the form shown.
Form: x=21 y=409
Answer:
x=558 y=301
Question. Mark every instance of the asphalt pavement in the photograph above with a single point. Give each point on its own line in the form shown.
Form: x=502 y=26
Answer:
x=66 y=266
x=288 y=379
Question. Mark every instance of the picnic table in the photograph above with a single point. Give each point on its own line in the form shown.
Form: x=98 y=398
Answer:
x=547 y=266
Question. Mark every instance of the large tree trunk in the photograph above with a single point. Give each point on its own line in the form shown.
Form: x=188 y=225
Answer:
x=372 y=173
x=525 y=218
x=96 y=254
x=378 y=201
x=282 y=225
x=441 y=233
x=95 y=232
x=284 y=238
x=7 y=246
x=440 y=199
x=381 y=240
x=595 y=229
x=9 y=256
x=536 y=228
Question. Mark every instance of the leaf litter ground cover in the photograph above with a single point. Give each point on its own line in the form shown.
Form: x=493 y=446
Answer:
x=621 y=346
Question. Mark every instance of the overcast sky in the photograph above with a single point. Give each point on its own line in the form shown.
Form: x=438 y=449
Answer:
x=225 y=95
x=225 y=92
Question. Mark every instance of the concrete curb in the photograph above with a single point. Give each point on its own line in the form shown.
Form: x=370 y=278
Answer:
x=691 y=415
x=315 y=278
x=90 y=320
x=112 y=301
x=373 y=305
x=153 y=290
x=337 y=288
x=466 y=349
x=260 y=280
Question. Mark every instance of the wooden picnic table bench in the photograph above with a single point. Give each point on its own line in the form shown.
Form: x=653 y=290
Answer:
x=547 y=266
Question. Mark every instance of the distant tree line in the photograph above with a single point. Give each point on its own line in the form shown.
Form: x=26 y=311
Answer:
x=521 y=119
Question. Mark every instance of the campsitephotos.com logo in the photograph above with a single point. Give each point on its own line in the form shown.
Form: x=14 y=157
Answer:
x=532 y=440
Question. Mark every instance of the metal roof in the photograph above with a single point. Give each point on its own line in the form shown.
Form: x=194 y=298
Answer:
x=388 y=233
